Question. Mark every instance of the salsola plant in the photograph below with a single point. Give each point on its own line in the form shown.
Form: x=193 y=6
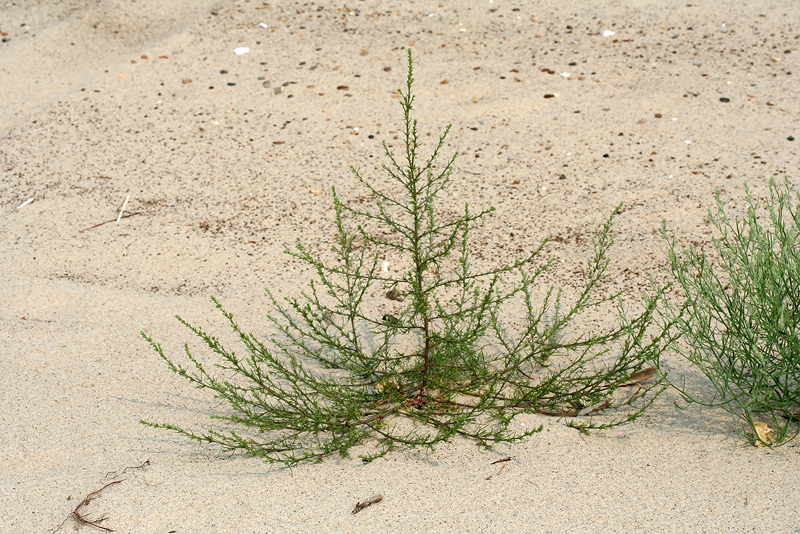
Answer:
x=338 y=373
x=740 y=315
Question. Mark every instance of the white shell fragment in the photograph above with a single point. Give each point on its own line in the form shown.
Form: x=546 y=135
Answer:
x=608 y=33
x=241 y=50
x=385 y=267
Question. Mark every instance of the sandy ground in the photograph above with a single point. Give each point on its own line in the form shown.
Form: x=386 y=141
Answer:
x=221 y=155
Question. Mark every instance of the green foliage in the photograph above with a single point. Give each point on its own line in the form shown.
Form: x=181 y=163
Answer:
x=337 y=373
x=741 y=313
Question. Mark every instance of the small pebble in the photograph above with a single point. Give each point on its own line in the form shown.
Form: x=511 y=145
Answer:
x=223 y=71
x=659 y=115
x=724 y=99
x=605 y=155
x=790 y=138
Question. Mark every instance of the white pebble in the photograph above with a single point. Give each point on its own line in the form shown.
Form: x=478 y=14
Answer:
x=608 y=33
x=241 y=50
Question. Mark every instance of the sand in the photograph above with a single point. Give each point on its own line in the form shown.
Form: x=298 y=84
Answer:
x=104 y=99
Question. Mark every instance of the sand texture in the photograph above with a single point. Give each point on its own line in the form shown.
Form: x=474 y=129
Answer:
x=229 y=160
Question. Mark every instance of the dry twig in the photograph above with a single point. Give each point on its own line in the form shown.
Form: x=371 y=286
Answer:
x=83 y=520
x=113 y=220
x=497 y=473
x=115 y=474
x=369 y=502
x=79 y=514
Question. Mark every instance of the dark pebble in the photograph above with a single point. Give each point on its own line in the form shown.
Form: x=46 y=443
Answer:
x=371 y=136
x=605 y=155
x=724 y=99
x=790 y=138
x=562 y=177
x=231 y=83
x=223 y=71
x=548 y=95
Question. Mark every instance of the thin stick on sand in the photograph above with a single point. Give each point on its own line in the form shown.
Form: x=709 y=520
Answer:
x=82 y=519
x=106 y=222
x=80 y=515
x=369 y=502
x=497 y=473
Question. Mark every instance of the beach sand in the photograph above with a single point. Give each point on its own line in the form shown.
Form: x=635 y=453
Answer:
x=229 y=160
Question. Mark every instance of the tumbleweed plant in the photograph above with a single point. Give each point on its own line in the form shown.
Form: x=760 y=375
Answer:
x=338 y=371
x=741 y=314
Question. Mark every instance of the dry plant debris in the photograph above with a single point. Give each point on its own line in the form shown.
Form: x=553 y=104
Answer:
x=369 y=502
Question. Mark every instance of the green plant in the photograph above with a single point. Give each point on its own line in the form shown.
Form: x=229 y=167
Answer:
x=337 y=374
x=741 y=314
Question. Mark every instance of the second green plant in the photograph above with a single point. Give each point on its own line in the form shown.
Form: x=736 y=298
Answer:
x=740 y=316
